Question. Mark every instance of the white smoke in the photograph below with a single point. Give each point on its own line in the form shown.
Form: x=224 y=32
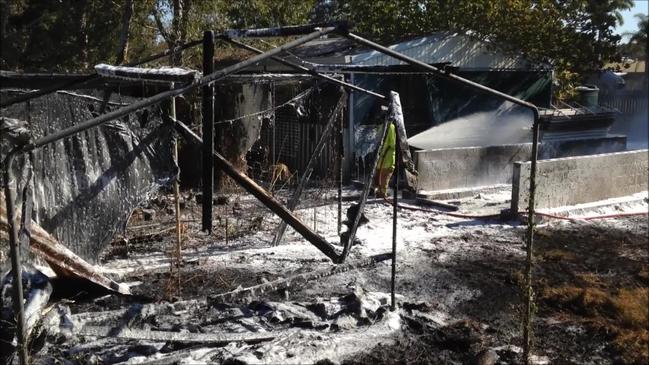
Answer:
x=509 y=124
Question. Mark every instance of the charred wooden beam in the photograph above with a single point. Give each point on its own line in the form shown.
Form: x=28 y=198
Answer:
x=63 y=262
x=295 y=199
x=180 y=337
x=264 y=196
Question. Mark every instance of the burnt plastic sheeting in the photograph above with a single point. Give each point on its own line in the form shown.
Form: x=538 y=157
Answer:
x=86 y=186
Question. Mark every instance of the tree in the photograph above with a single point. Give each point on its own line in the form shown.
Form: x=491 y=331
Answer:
x=637 y=44
x=64 y=35
x=576 y=36
x=127 y=15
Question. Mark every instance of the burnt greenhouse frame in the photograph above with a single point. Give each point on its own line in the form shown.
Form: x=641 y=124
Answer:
x=307 y=33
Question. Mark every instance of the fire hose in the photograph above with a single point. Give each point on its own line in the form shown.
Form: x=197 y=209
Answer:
x=522 y=213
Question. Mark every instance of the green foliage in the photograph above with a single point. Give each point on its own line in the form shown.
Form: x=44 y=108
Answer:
x=69 y=35
x=576 y=36
x=636 y=48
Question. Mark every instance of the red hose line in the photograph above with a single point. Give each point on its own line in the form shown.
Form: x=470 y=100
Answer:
x=547 y=215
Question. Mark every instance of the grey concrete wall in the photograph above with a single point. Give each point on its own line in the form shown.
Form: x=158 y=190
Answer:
x=582 y=179
x=467 y=167
x=463 y=167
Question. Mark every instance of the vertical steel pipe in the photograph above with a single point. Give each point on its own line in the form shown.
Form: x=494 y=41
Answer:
x=339 y=160
x=208 y=133
x=529 y=292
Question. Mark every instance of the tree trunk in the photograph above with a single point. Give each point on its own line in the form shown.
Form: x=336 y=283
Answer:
x=122 y=51
x=83 y=34
x=4 y=17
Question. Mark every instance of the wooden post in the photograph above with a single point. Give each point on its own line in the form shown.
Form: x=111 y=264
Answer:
x=208 y=132
x=393 y=304
x=16 y=262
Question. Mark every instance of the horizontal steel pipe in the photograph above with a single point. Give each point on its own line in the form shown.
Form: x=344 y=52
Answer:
x=91 y=77
x=441 y=73
x=309 y=71
x=290 y=30
x=205 y=80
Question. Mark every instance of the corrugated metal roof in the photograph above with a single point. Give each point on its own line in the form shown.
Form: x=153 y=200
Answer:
x=459 y=50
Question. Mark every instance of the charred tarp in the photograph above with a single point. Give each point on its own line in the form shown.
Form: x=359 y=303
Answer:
x=85 y=186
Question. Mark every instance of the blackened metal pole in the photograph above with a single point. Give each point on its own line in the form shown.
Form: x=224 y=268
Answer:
x=16 y=268
x=529 y=292
x=309 y=71
x=179 y=235
x=393 y=303
x=208 y=133
x=340 y=170
x=441 y=73
x=285 y=31
x=366 y=190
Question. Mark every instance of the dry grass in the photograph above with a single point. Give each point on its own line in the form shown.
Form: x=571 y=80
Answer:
x=624 y=314
x=598 y=277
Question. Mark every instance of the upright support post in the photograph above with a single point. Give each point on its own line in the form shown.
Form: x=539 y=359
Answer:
x=393 y=303
x=208 y=132
x=529 y=292
x=16 y=268
x=179 y=236
x=340 y=171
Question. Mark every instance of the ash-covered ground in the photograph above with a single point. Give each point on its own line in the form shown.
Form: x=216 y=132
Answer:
x=458 y=285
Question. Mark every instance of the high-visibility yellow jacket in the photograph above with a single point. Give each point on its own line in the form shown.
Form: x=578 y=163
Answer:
x=388 y=150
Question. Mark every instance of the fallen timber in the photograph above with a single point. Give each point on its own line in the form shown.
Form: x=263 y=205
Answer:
x=181 y=337
x=293 y=281
x=295 y=199
x=260 y=193
x=63 y=262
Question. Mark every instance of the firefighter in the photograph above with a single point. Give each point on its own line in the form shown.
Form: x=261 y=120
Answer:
x=387 y=157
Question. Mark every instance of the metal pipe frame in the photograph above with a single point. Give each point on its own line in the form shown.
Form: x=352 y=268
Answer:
x=295 y=199
x=291 y=30
x=256 y=190
x=208 y=133
x=310 y=71
x=319 y=242
x=395 y=204
x=92 y=77
x=232 y=33
x=205 y=80
x=534 y=158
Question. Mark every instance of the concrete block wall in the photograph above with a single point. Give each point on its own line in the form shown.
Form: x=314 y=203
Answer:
x=465 y=167
x=582 y=179
x=468 y=167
